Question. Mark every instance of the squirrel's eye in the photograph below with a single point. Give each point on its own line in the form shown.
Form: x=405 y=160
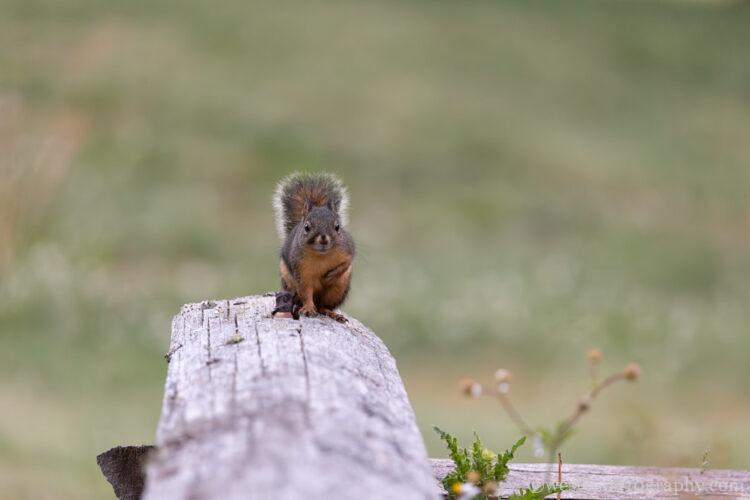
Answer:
x=337 y=227
x=307 y=227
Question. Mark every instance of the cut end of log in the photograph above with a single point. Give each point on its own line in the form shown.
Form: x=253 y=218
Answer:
x=123 y=468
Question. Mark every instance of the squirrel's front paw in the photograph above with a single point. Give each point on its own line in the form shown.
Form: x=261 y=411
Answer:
x=334 y=315
x=308 y=311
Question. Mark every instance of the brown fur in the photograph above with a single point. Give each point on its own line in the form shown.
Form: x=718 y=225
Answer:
x=306 y=198
x=322 y=280
x=287 y=280
x=317 y=251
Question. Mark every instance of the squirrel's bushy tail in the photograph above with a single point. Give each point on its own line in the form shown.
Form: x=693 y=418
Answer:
x=297 y=193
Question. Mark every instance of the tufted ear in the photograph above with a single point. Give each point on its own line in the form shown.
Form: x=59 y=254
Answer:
x=308 y=207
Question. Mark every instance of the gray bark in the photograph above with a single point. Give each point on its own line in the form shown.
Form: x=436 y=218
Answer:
x=261 y=407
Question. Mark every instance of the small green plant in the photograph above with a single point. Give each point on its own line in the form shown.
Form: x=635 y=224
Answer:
x=539 y=493
x=479 y=470
x=705 y=460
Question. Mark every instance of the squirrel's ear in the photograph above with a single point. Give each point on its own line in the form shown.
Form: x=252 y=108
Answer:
x=308 y=206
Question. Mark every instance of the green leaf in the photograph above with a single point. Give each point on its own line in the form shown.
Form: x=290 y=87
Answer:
x=500 y=471
x=539 y=493
x=460 y=457
x=480 y=463
x=546 y=436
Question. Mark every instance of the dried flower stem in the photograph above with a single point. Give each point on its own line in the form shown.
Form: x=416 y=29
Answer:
x=607 y=382
x=553 y=440
x=593 y=373
x=581 y=408
x=514 y=415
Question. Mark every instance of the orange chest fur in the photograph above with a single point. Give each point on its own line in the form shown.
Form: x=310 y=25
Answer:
x=314 y=266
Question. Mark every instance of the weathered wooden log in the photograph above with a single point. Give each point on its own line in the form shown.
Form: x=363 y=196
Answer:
x=261 y=407
x=122 y=468
x=256 y=407
x=610 y=482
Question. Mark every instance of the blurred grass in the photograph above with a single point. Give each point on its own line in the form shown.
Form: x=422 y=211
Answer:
x=529 y=179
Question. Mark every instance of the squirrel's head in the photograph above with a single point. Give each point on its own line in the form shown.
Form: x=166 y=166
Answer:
x=320 y=229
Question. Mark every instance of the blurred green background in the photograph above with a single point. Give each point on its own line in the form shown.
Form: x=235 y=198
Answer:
x=530 y=179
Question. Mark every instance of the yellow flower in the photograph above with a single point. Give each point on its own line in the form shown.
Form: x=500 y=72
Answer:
x=488 y=455
x=456 y=488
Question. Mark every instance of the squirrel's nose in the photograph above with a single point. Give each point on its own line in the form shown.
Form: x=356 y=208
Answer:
x=323 y=239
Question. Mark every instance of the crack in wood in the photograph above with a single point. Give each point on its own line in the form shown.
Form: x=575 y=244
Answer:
x=233 y=397
x=206 y=304
x=208 y=337
x=208 y=351
x=307 y=375
x=260 y=352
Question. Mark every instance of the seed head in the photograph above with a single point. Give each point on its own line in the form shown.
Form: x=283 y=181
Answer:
x=490 y=488
x=632 y=372
x=503 y=375
x=470 y=387
x=594 y=355
x=473 y=476
x=503 y=388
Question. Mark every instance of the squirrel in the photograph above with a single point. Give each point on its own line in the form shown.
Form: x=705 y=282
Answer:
x=317 y=252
